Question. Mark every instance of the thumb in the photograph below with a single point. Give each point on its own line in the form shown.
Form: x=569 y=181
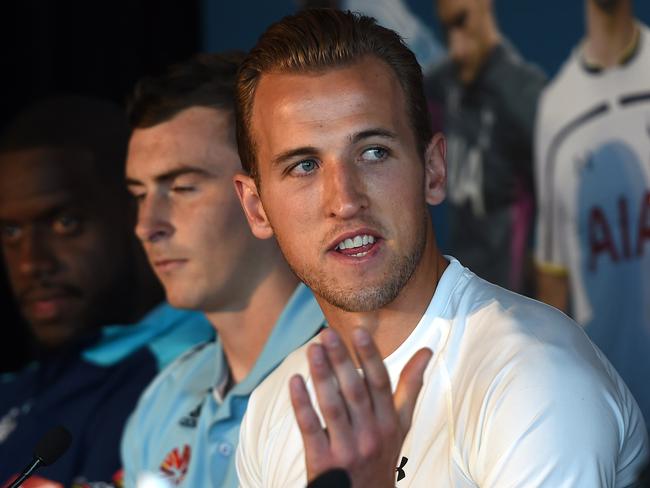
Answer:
x=409 y=386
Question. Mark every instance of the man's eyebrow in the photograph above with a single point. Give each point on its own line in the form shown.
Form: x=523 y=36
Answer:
x=67 y=204
x=293 y=153
x=365 y=134
x=170 y=175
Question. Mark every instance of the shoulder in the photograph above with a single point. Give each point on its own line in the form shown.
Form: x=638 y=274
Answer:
x=558 y=98
x=518 y=69
x=183 y=368
x=273 y=393
x=269 y=436
x=532 y=377
x=165 y=332
x=182 y=378
x=536 y=343
x=270 y=404
x=527 y=388
x=495 y=317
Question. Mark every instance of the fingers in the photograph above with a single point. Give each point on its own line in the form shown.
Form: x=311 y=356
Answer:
x=314 y=437
x=357 y=410
x=331 y=403
x=409 y=386
x=376 y=376
x=352 y=386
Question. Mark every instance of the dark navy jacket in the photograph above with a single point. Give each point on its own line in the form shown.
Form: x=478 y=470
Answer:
x=91 y=390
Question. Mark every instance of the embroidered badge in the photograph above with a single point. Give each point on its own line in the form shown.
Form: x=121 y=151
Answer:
x=175 y=465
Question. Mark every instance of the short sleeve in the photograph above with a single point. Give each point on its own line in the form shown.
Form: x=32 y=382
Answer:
x=569 y=427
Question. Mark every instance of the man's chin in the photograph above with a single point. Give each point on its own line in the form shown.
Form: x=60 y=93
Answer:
x=184 y=301
x=367 y=299
x=54 y=334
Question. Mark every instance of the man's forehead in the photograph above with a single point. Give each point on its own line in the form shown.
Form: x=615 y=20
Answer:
x=451 y=12
x=355 y=73
x=197 y=137
x=365 y=89
x=45 y=175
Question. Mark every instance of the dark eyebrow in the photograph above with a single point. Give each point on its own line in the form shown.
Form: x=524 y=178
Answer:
x=292 y=153
x=170 y=175
x=365 y=134
x=311 y=150
x=67 y=204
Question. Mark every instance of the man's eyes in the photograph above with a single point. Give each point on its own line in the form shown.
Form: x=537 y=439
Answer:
x=67 y=224
x=63 y=225
x=306 y=166
x=303 y=167
x=374 y=154
x=183 y=188
x=10 y=233
x=140 y=196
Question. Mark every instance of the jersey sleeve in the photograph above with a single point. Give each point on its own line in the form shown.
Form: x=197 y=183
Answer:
x=564 y=429
x=550 y=254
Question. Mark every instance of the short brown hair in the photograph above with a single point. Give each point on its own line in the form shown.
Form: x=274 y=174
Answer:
x=204 y=80
x=319 y=39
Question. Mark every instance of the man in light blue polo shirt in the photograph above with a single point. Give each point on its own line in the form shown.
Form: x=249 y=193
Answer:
x=181 y=162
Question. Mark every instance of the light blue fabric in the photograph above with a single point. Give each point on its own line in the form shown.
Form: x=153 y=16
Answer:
x=180 y=432
x=167 y=331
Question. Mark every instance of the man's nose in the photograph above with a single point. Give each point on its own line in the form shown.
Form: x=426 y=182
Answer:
x=344 y=190
x=37 y=257
x=457 y=46
x=153 y=222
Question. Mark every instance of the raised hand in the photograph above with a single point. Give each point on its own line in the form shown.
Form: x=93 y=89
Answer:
x=365 y=422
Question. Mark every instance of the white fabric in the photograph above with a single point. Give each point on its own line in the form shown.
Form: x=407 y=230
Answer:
x=515 y=395
x=566 y=142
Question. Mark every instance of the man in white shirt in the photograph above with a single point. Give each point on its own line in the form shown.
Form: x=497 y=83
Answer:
x=334 y=134
x=592 y=168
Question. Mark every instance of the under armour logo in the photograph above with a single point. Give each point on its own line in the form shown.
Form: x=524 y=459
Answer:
x=400 y=469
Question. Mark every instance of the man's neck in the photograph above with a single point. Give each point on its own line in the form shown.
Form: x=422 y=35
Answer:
x=609 y=34
x=391 y=325
x=244 y=331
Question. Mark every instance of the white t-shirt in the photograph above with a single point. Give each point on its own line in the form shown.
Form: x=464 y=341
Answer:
x=515 y=395
x=592 y=162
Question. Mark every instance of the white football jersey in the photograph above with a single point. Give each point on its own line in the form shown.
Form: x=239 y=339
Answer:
x=515 y=395
x=593 y=185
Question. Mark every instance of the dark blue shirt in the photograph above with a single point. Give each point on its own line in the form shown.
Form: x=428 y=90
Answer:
x=91 y=390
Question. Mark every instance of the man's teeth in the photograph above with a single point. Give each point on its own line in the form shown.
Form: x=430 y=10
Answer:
x=358 y=241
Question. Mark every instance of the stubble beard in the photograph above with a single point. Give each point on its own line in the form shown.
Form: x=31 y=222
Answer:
x=362 y=297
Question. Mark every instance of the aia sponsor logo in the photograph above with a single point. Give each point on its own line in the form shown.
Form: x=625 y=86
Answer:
x=175 y=465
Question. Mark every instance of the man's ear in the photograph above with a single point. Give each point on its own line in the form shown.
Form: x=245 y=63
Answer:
x=435 y=170
x=252 y=204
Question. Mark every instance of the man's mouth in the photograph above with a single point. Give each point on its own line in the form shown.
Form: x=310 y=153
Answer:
x=168 y=265
x=47 y=305
x=356 y=246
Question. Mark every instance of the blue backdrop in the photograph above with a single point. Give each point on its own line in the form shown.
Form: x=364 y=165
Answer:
x=543 y=30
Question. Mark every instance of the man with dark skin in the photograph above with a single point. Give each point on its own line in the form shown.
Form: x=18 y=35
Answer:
x=75 y=268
